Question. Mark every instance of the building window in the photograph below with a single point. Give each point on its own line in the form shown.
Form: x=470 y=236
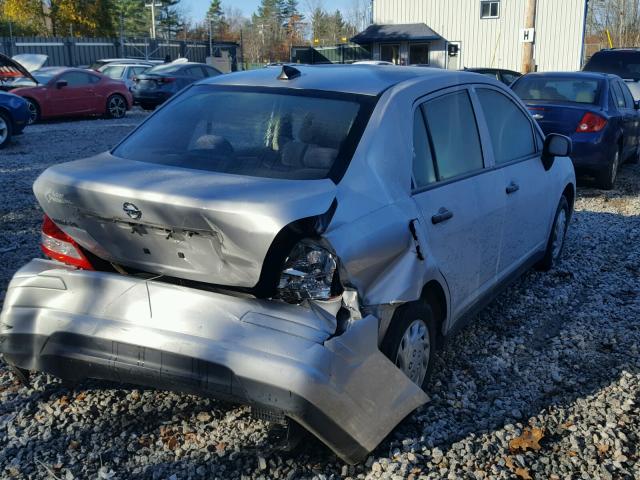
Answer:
x=390 y=53
x=489 y=9
x=419 y=54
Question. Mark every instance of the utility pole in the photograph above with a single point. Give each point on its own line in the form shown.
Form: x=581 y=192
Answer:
x=153 y=5
x=528 y=64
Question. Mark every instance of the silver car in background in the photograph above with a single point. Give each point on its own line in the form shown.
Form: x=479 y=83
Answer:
x=301 y=241
x=126 y=72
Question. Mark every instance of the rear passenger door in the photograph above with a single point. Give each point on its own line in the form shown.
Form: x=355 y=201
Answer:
x=461 y=201
x=631 y=119
x=515 y=147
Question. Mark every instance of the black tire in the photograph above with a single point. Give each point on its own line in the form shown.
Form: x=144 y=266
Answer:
x=635 y=158
x=553 y=254
x=606 y=179
x=6 y=129
x=403 y=320
x=34 y=111
x=116 y=106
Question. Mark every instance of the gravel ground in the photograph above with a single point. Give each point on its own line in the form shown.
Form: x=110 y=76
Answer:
x=545 y=383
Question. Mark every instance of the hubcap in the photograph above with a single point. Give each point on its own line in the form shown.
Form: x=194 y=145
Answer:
x=558 y=233
x=413 y=352
x=33 y=112
x=4 y=130
x=117 y=107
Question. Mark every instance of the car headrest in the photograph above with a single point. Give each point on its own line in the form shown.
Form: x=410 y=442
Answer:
x=214 y=142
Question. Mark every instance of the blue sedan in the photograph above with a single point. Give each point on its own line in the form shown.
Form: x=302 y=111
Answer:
x=14 y=114
x=596 y=110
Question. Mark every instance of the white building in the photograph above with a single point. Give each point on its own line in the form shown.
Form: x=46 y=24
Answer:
x=476 y=33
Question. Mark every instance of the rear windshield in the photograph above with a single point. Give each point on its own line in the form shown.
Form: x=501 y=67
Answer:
x=165 y=68
x=623 y=64
x=558 y=89
x=114 y=71
x=273 y=133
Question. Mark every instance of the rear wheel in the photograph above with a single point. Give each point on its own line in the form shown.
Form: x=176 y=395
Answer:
x=607 y=178
x=410 y=342
x=116 y=106
x=555 y=244
x=5 y=130
x=34 y=111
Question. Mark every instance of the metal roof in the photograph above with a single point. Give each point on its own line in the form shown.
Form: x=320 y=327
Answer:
x=396 y=33
x=357 y=79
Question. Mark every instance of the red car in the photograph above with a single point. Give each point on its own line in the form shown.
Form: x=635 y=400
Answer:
x=62 y=92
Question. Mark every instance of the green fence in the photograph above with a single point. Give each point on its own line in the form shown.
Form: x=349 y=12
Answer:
x=347 y=53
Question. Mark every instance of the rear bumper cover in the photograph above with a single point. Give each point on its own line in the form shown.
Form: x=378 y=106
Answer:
x=590 y=152
x=80 y=324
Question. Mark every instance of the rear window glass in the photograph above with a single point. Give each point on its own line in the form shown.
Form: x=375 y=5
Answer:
x=280 y=134
x=165 y=68
x=558 y=89
x=623 y=64
x=114 y=71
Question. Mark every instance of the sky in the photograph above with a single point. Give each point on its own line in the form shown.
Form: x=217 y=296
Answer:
x=196 y=9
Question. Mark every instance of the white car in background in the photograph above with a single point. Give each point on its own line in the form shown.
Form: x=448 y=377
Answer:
x=124 y=71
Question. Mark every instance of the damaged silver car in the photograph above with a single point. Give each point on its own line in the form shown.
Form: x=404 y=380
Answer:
x=299 y=239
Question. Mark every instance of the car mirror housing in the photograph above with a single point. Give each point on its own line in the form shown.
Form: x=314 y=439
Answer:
x=636 y=104
x=555 y=145
x=61 y=83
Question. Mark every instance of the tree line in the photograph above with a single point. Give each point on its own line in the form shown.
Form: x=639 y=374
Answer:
x=615 y=21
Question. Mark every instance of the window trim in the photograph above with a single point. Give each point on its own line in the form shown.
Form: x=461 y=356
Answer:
x=480 y=126
x=490 y=2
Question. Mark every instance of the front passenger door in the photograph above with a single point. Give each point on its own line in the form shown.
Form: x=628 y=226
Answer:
x=78 y=96
x=525 y=188
x=460 y=200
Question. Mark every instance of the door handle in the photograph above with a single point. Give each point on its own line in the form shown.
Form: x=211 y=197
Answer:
x=442 y=216
x=512 y=188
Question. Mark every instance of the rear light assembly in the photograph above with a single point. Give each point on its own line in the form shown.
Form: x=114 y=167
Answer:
x=167 y=79
x=591 y=123
x=59 y=246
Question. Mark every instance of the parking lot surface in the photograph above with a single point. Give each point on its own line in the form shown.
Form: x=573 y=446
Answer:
x=544 y=383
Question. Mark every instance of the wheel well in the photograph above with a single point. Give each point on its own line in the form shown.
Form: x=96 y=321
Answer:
x=570 y=194
x=434 y=294
x=7 y=114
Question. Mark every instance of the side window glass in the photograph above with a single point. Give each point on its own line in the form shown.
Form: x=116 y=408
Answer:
x=423 y=169
x=454 y=133
x=195 y=72
x=76 y=79
x=211 y=72
x=628 y=98
x=510 y=129
x=617 y=95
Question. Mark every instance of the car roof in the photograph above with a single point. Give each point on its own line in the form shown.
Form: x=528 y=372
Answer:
x=357 y=79
x=592 y=75
x=128 y=65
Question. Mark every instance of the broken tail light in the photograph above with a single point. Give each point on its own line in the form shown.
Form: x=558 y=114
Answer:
x=59 y=246
x=308 y=274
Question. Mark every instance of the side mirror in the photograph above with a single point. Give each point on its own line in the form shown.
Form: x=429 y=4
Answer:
x=61 y=83
x=555 y=145
x=636 y=104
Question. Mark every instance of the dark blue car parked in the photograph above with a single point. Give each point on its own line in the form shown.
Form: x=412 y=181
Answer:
x=14 y=114
x=596 y=110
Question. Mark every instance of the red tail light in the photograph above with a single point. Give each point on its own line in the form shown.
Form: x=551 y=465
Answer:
x=167 y=79
x=59 y=246
x=591 y=123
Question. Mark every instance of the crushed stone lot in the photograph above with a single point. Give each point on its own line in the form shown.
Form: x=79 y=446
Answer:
x=543 y=384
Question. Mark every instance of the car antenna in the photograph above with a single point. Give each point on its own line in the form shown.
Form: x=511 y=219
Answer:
x=288 y=73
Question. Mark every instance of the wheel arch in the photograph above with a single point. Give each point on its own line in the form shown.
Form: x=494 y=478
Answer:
x=434 y=294
x=7 y=113
x=569 y=193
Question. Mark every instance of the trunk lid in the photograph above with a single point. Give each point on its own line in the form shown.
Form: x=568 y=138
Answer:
x=191 y=224
x=560 y=118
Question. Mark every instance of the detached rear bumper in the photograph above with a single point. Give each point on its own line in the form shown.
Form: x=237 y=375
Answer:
x=78 y=324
